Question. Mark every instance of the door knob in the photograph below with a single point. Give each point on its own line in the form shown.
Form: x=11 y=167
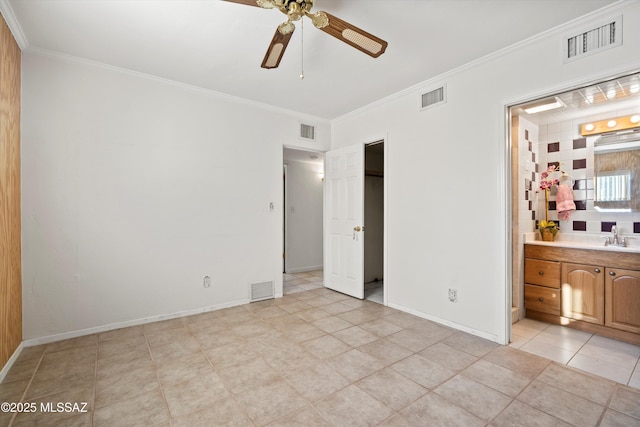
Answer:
x=357 y=228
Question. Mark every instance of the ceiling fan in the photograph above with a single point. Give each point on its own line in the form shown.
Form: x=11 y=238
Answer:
x=296 y=9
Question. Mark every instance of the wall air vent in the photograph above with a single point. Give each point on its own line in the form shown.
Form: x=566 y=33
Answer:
x=307 y=132
x=606 y=35
x=262 y=291
x=434 y=97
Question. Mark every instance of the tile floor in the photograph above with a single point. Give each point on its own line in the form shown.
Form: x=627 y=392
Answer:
x=298 y=282
x=602 y=356
x=311 y=358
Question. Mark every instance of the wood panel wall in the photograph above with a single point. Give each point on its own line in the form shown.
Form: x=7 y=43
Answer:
x=10 y=248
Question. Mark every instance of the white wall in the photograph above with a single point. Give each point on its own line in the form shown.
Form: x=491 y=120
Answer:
x=447 y=176
x=134 y=189
x=304 y=220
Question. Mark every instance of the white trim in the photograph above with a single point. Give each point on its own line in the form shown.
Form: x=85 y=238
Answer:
x=74 y=59
x=431 y=82
x=507 y=173
x=105 y=328
x=507 y=203
x=304 y=269
x=445 y=322
x=14 y=357
x=13 y=24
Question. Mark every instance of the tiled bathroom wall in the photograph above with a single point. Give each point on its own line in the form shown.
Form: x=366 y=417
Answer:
x=562 y=145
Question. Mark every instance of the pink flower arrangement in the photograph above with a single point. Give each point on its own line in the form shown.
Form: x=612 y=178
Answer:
x=546 y=183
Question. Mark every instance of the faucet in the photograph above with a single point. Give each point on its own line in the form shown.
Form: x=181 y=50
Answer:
x=617 y=240
x=614 y=230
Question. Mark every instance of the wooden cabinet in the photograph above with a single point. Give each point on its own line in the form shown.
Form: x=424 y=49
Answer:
x=597 y=291
x=583 y=292
x=542 y=299
x=543 y=273
x=622 y=299
x=542 y=286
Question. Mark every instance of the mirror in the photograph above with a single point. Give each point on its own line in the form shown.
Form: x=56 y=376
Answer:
x=617 y=173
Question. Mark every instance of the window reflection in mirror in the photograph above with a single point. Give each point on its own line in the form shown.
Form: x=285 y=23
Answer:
x=617 y=177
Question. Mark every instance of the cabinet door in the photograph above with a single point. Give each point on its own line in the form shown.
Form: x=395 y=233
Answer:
x=583 y=292
x=623 y=299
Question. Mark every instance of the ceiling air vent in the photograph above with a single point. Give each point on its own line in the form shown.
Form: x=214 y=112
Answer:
x=307 y=132
x=434 y=97
x=593 y=40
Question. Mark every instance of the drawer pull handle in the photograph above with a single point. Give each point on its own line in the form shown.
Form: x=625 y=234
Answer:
x=541 y=272
x=541 y=299
x=612 y=273
x=597 y=270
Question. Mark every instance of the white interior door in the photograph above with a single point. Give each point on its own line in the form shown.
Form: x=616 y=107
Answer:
x=344 y=216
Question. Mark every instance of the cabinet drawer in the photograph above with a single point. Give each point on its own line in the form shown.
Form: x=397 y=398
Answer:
x=543 y=273
x=540 y=298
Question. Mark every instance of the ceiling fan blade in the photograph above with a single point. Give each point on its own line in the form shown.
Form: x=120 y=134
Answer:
x=276 y=49
x=354 y=36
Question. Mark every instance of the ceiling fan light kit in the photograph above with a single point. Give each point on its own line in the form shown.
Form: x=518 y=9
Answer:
x=336 y=27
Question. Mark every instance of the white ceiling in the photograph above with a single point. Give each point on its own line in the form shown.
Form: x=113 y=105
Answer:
x=219 y=45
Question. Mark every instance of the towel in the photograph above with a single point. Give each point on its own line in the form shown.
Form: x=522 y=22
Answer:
x=564 y=202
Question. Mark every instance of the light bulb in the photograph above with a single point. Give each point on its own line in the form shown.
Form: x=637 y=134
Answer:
x=589 y=127
x=611 y=123
x=635 y=119
x=611 y=93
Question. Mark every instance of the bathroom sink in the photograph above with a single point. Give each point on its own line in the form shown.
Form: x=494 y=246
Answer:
x=587 y=241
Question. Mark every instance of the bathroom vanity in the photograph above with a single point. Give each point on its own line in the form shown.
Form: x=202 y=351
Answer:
x=591 y=288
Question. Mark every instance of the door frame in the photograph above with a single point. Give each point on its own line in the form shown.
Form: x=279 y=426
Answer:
x=285 y=201
x=369 y=140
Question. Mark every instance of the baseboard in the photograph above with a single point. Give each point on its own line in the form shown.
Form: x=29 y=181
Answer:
x=11 y=361
x=304 y=269
x=445 y=322
x=99 y=329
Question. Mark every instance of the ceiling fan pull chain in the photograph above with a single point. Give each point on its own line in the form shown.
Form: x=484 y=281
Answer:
x=302 y=50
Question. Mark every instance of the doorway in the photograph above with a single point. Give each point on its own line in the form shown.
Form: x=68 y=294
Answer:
x=355 y=226
x=303 y=188
x=554 y=138
x=374 y=222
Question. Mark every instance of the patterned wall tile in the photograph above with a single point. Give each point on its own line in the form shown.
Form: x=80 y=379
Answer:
x=579 y=225
x=580 y=164
x=605 y=226
x=579 y=143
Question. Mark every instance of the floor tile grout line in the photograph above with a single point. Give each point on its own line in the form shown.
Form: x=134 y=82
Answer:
x=24 y=393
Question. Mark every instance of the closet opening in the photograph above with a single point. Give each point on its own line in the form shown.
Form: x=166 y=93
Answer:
x=374 y=221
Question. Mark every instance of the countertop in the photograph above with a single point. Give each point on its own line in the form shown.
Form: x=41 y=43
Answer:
x=587 y=241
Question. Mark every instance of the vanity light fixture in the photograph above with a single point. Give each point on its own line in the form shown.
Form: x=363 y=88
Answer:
x=543 y=105
x=611 y=93
x=609 y=125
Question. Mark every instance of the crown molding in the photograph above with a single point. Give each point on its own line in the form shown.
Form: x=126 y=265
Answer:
x=10 y=18
x=209 y=92
x=615 y=8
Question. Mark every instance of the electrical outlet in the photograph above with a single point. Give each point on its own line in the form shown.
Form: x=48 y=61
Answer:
x=206 y=282
x=453 y=295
